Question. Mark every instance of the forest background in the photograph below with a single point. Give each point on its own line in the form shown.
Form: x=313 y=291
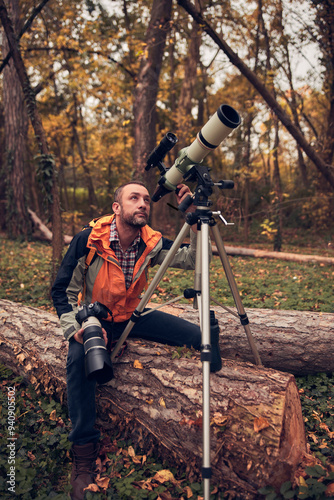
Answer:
x=105 y=81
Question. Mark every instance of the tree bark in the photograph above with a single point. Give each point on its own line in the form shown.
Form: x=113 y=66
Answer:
x=146 y=91
x=18 y=223
x=257 y=431
x=298 y=342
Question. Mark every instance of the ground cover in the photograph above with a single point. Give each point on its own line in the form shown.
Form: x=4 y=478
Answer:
x=43 y=462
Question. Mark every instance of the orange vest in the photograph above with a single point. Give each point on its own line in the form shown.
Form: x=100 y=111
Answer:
x=109 y=286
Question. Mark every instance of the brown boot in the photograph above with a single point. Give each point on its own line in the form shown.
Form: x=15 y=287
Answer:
x=84 y=457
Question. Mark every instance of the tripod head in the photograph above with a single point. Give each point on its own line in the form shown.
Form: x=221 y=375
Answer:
x=204 y=188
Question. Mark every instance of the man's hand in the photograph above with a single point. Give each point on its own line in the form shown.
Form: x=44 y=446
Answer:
x=183 y=192
x=79 y=336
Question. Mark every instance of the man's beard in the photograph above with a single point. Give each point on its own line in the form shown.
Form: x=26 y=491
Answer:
x=134 y=220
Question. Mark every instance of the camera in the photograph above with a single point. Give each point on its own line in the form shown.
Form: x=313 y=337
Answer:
x=98 y=364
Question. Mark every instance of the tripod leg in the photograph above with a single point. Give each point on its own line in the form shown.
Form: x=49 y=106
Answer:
x=198 y=275
x=149 y=292
x=205 y=354
x=233 y=286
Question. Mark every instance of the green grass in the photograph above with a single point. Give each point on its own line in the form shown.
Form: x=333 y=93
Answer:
x=25 y=272
x=265 y=283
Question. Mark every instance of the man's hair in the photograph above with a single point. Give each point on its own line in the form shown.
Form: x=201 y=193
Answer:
x=119 y=190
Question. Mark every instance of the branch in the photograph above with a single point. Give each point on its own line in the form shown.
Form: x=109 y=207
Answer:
x=93 y=52
x=26 y=26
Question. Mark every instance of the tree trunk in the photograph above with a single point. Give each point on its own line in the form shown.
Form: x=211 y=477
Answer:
x=266 y=254
x=92 y=199
x=145 y=95
x=257 y=432
x=16 y=129
x=188 y=89
x=298 y=342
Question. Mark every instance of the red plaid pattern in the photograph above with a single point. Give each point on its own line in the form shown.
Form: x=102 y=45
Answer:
x=126 y=259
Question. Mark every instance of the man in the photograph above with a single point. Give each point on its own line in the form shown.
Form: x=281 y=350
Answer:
x=107 y=263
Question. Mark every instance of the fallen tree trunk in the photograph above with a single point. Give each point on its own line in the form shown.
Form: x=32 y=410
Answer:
x=266 y=254
x=257 y=437
x=45 y=231
x=299 y=342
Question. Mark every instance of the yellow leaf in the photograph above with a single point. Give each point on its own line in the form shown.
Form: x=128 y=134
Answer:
x=163 y=476
x=137 y=364
x=302 y=482
x=162 y=402
x=131 y=452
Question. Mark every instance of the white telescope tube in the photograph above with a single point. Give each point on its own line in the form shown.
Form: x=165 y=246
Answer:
x=220 y=125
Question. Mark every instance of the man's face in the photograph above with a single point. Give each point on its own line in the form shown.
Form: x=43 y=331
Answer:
x=133 y=208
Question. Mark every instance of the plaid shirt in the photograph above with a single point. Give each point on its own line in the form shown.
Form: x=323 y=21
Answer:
x=126 y=259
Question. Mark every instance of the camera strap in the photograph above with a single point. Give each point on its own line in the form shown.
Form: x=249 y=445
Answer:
x=88 y=262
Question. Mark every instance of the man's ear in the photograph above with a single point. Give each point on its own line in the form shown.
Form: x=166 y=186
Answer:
x=116 y=208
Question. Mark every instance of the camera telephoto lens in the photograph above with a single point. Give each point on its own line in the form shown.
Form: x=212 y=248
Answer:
x=97 y=359
x=98 y=364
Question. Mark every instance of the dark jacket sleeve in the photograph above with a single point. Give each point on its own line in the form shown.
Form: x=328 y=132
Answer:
x=75 y=254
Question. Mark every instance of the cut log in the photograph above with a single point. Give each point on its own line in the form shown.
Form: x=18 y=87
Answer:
x=298 y=342
x=258 y=435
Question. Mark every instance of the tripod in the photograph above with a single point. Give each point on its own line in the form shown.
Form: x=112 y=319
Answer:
x=204 y=218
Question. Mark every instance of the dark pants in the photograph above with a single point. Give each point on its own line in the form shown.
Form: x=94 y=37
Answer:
x=156 y=326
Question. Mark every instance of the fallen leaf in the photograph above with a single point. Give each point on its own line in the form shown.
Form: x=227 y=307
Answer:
x=260 y=423
x=219 y=419
x=102 y=482
x=21 y=357
x=188 y=492
x=162 y=402
x=137 y=364
x=330 y=490
x=162 y=476
x=53 y=415
x=92 y=487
